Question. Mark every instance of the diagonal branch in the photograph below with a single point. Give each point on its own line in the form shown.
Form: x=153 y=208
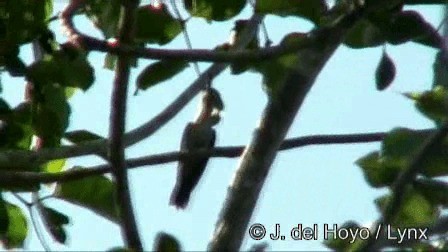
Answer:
x=117 y=129
x=276 y=119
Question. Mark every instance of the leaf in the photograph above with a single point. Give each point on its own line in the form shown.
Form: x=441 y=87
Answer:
x=54 y=166
x=308 y=9
x=401 y=144
x=54 y=222
x=158 y=72
x=105 y=14
x=376 y=172
x=94 y=193
x=273 y=70
x=216 y=10
x=435 y=191
x=24 y=20
x=433 y=104
x=385 y=72
x=67 y=67
x=415 y=211
x=51 y=115
x=156 y=25
x=82 y=136
x=15 y=129
x=364 y=34
x=109 y=61
x=166 y=243
x=17 y=228
x=410 y=25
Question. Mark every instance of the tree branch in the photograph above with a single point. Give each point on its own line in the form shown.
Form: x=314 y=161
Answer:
x=277 y=117
x=13 y=178
x=117 y=129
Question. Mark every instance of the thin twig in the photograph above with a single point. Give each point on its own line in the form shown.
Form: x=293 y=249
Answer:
x=185 y=33
x=117 y=129
x=267 y=40
x=34 y=221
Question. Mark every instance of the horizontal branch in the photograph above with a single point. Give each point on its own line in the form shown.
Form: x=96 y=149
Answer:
x=8 y=178
x=207 y=55
x=93 y=44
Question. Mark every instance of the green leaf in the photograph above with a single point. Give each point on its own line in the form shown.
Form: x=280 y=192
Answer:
x=308 y=9
x=17 y=229
x=158 y=72
x=54 y=221
x=385 y=72
x=16 y=131
x=105 y=14
x=364 y=34
x=54 y=166
x=435 y=191
x=433 y=104
x=51 y=115
x=94 y=193
x=67 y=67
x=400 y=146
x=69 y=92
x=215 y=10
x=415 y=211
x=48 y=9
x=81 y=136
x=23 y=22
x=376 y=172
x=156 y=25
x=110 y=60
x=166 y=243
x=410 y=25
x=273 y=70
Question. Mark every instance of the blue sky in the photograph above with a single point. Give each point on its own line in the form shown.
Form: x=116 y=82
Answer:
x=310 y=185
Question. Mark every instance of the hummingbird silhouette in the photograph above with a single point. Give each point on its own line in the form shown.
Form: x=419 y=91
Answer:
x=198 y=135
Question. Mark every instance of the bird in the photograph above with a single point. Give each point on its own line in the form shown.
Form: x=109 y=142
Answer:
x=198 y=135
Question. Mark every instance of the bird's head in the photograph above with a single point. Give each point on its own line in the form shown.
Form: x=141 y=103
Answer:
x=211 y=106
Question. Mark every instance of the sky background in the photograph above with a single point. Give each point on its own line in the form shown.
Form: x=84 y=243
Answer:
x=309 y=185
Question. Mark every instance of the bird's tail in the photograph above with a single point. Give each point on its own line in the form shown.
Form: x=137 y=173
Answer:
x=180 y=196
